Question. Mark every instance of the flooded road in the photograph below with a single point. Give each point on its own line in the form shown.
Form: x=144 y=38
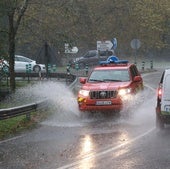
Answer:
x=65 y=140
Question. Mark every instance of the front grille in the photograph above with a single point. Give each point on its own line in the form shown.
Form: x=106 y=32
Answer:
x=103 y=94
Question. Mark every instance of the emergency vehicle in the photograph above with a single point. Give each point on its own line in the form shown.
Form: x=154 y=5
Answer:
x=163 y=101
x=109 y=86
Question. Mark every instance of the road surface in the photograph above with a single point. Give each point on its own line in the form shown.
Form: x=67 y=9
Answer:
x=98 y=141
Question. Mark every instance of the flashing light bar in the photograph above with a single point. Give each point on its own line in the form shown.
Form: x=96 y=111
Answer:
x=113 y=60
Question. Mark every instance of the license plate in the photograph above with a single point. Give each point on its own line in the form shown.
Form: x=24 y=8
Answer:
x=103 y=102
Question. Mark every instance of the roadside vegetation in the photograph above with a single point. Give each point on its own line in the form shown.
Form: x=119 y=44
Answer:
x=13 y=126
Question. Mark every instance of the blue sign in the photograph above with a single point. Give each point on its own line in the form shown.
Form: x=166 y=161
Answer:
x=114 y=42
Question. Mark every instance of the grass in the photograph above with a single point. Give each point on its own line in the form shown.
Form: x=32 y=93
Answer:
x=11 y=127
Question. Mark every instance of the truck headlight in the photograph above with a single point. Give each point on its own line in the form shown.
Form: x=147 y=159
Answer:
x=84 y=93
x=123 y=92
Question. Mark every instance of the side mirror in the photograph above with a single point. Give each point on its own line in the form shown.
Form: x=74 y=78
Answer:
x=82 y=80
x=137 y=78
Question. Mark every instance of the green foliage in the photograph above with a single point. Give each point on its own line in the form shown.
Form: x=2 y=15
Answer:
x=152 y=17
x=82 y=23
x=11 y=126
x=3 y=31
x=15 y=125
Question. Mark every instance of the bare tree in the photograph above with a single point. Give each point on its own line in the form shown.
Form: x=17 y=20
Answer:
x=14 y=10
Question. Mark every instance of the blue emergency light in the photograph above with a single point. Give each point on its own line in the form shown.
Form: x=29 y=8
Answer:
x=114 y=60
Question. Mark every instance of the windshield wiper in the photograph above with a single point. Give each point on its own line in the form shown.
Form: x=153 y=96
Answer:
x=112 y=80
x=95 y=80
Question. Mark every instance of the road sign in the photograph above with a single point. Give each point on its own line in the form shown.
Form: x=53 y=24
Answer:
x=74 y=49
x=104 y=45
x=68 y=49
x=135 y=44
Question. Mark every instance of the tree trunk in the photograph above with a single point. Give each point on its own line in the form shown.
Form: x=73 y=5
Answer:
x=11 y=51
x=13 y=27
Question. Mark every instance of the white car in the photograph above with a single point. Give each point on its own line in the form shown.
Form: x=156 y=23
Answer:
x=23 y=64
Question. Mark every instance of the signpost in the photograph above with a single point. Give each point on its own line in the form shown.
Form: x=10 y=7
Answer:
x=135 y=44
x=107 y=45
x=104 y=45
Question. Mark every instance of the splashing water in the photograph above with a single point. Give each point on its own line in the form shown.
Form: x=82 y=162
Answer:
x=63 y=104
x=61 y=100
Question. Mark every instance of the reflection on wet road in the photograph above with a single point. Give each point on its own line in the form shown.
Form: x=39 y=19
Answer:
x=66 y=140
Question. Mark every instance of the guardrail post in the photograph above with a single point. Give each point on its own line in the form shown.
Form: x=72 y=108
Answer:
x=87 y=69
x=68 y=74
x=6 y=71
x=68 y=68
x=151 y=64
x=77 y=67
x=143 y=65
x=27 y=71
x=29 y=68
x=54 y=68
x=28 y=116
x=49 y=70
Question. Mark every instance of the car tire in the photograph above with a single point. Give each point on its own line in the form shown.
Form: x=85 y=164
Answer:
x=81 y=65
x=159 y=122
x=36 y=68
x=5 y=68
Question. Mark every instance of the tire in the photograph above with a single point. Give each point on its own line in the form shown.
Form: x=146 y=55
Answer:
x=159 y=123
x=5 y=68
x=81 y=65
x=36 y=68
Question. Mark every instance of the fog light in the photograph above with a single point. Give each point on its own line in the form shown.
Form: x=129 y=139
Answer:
x=81 y=100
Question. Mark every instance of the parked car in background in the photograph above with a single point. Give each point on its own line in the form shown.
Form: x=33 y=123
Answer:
x=163 y=101
x=21 y=62
x=91 y=58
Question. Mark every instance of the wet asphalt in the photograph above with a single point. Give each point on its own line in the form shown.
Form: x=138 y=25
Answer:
x=98 y=141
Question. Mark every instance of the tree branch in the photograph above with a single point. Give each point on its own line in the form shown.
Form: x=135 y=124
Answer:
x=20 y=15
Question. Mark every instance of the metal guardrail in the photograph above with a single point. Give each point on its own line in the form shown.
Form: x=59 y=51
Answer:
x=50 y=75
x=27 y=109
x=21 y=110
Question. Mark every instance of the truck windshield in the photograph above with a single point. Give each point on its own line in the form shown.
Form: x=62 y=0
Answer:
x=109 y=75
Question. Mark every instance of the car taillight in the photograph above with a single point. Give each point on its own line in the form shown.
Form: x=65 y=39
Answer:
x=160 y=92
